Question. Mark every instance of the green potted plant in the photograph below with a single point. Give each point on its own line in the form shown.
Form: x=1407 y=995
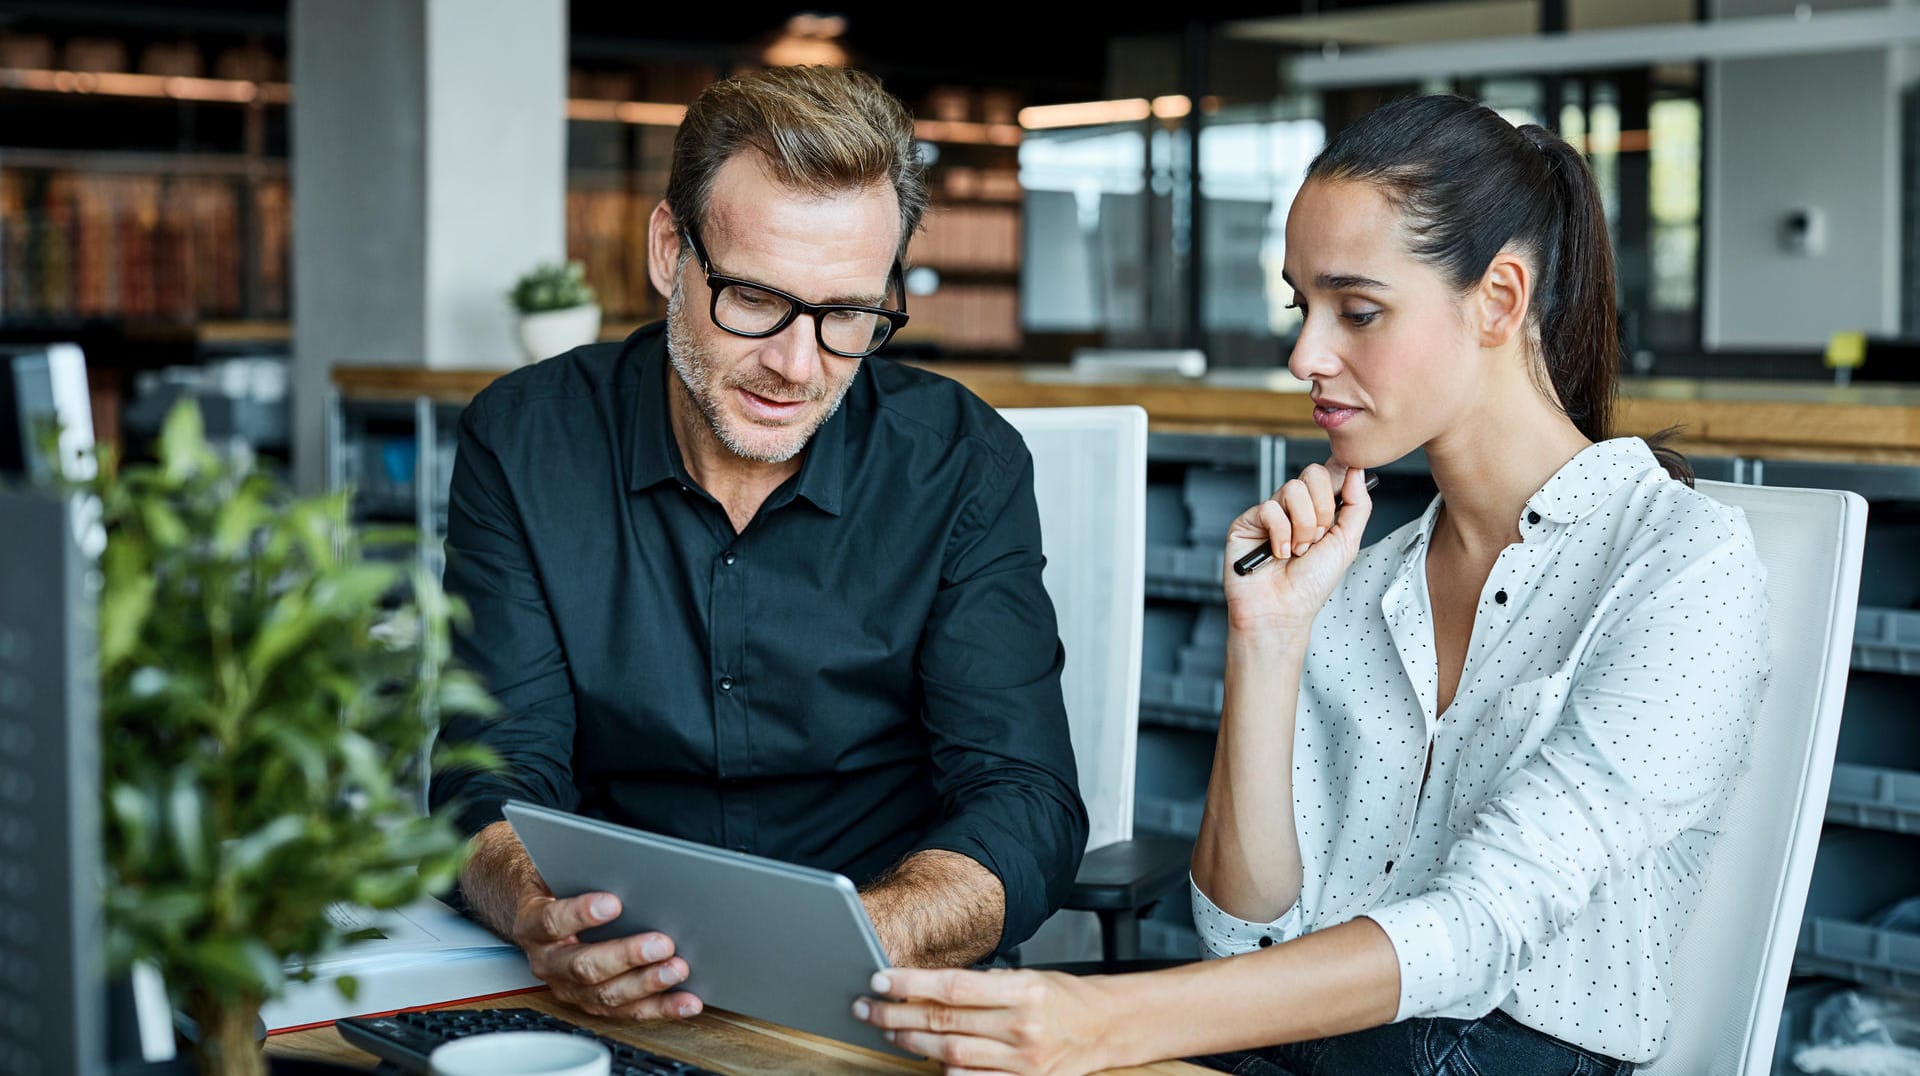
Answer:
x=557 y=310
x=267 y=692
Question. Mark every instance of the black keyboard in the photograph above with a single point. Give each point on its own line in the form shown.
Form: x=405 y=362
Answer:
x=405 y=1040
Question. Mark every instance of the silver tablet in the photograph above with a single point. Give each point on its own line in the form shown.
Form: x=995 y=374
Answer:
x=783 y=943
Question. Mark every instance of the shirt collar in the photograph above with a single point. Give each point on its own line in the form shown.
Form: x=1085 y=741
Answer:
x=1588 y=479
x=654 y=455
x=1581 y=485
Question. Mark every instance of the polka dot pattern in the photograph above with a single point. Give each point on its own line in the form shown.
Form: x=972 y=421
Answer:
x=1617 y=660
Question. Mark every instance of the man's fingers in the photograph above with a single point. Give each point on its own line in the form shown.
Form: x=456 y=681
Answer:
x=558 y=919
x=620 y=992
x=675 y=1006
x=600 y=962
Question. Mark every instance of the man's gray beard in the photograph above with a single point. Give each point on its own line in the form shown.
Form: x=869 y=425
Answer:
x=690 y=363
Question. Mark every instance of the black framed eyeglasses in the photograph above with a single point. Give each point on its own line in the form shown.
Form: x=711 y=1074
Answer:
x=746 y=308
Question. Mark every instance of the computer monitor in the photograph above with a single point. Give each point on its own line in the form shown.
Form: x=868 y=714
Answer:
x=52 y=1005
x=43 y=386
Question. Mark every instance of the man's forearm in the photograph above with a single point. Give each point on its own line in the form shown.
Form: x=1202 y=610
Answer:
x=937 y=909
x=498 y=878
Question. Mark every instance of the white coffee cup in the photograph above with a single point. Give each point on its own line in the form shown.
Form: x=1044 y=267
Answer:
x=522 y=1053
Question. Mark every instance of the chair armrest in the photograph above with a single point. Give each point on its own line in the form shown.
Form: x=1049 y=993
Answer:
x=1129 y=875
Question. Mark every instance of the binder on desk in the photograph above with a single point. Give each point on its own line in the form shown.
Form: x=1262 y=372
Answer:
x=426 y=954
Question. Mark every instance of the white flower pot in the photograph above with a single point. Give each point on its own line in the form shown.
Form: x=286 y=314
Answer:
x=551 y=332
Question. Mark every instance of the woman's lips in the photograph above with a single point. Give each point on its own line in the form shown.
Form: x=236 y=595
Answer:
x=1331 y=415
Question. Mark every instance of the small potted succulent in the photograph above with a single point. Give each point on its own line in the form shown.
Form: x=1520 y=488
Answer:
x=557 y=310
x=269 y=684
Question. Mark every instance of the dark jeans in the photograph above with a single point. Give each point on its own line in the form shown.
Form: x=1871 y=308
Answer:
x=1494 y=1045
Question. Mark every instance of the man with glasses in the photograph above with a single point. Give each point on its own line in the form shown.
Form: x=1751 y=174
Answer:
x=737 y=581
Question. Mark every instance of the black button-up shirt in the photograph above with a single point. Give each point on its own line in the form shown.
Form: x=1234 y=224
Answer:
x=869 y=669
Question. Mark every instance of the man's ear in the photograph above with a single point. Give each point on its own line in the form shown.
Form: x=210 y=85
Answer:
x=1499 y=303
x=663 y=249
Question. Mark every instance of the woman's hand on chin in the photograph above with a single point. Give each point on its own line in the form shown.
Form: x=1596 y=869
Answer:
x=1313 y=544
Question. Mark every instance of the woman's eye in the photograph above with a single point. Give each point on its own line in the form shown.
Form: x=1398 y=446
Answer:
x=1361 y=317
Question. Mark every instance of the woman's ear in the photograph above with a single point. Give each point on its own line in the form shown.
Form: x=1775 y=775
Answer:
x=1502 y=299
x=663 y=249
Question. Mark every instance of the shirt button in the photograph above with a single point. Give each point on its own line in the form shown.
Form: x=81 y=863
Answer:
x=1389 y=866
x=726 y=683
x=1533 y=517
x=1500 y=597
x=727 y=557
x=1265 y=940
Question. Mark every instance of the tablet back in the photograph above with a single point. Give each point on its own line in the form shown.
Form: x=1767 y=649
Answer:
x=768 y=939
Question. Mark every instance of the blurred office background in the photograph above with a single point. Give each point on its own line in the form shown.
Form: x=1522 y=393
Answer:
x=200 y=189
x=228 y=199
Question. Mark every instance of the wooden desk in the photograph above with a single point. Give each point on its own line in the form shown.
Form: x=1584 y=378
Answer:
x=1760 y=419
x=721 y=1041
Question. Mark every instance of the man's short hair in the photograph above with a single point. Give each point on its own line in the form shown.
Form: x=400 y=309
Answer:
x=821 y=130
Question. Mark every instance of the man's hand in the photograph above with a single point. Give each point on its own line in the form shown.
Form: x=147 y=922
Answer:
x=631 y=977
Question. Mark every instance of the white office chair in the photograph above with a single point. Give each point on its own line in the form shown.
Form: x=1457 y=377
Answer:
x=1090 y=478
x=1730 y=970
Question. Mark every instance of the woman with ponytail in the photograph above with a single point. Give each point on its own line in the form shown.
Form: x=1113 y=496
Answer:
x=1467 y=778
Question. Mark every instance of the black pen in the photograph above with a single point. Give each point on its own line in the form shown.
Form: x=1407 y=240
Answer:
x=1251 y=563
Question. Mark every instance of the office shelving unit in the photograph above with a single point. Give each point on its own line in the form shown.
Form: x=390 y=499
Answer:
x=1868 y=857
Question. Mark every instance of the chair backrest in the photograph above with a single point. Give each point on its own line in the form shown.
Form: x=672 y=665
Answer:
x=1090 y=477
x=1730 y=970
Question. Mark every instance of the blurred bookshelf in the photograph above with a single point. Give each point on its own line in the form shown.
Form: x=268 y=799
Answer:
x=152 y=191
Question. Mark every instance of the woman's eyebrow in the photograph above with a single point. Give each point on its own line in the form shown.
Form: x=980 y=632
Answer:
x=1340 y=282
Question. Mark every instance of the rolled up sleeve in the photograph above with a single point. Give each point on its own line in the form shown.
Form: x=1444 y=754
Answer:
x=989 y=665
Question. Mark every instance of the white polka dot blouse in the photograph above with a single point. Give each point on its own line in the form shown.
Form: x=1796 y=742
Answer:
x=1617 y=659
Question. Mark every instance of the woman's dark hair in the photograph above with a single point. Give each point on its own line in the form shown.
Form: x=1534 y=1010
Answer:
x=1468 y=184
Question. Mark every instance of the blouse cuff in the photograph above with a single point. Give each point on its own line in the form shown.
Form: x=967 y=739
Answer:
x=1429 y=969
x=1224 y=934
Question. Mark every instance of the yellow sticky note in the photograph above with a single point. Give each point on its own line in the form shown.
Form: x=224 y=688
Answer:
x=1846 y=350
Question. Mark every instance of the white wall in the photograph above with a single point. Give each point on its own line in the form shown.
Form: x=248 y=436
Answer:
x=496 y=168
x=1784 y=133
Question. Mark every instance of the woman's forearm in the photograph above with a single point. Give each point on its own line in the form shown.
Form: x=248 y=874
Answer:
x=1247 y=858
x=1332 y=982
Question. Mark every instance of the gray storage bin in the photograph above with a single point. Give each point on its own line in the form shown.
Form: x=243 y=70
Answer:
x=1873 y=797
x=1180 y=573
x=1190 y=702
x=1163 y=634
x=1855 y=951
x=1206 y=653
x=1858 y=874
x=1168 y=815
x=1214 y=499
x=1878 y=725
x=1166 y=512
x=1887 y=640
x=1170 y=783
